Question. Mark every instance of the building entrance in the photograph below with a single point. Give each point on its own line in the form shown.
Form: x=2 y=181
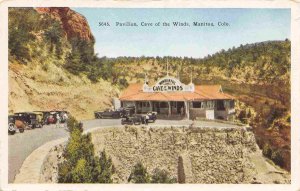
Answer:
x=180 y=107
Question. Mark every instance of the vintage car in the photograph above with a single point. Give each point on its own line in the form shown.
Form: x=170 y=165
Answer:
x=29 y=119
x=40 y=117
x=152 y=116
x=51 y=118
x=14 y=125
x=62 y=114
x=110 y=113
x=134 y=120
x=129 y=111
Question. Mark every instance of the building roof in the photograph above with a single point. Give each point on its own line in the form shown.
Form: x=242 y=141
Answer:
x=134 y=92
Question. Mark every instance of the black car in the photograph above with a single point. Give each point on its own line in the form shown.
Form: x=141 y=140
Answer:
x=109 y=114
x=152 y=116
x=28 y=118
x=134 y=120
x=129 y=111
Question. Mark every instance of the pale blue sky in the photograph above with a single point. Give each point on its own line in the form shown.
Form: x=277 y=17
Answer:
x=246 y=26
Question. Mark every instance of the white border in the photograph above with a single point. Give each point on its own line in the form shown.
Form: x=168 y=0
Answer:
x=295 y=87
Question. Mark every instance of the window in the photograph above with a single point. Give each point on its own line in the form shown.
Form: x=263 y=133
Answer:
x=197 y=104
x=173 y=104
x=220 y=105
x=163 y=104
x=145 y=104
x=231 y=104
x=210 y=104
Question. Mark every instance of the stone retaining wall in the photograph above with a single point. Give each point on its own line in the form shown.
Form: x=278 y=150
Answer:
x=214 y=155
x=210 y=155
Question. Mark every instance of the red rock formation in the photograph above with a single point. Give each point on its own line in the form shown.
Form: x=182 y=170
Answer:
x=73 y=23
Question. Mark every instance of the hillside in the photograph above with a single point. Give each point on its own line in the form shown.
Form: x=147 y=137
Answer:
x=40 y=45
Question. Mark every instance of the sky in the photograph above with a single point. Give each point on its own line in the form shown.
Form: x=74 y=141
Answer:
x=245 y=26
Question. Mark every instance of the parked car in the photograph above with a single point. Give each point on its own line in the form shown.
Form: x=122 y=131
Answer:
x=51 y=118
x=40 y=117
x=109 y=114
x=14 y=125
x=62 y=114
x=152 y=116
x=29 y=119
x=134 y=120
x=129 y=111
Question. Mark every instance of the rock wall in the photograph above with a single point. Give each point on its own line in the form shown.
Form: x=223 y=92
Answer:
x=209 y=155
x=191 y=154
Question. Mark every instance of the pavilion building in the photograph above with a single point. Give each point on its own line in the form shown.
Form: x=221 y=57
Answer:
x=170 y=97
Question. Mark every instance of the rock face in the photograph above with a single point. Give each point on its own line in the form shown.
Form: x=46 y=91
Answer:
x=73 y=23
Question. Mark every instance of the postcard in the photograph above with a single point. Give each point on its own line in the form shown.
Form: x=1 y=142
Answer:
x=150 y=95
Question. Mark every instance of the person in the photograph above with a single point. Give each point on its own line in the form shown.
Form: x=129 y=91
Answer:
x=65 y=117
x=146 y=119
x=57 y=120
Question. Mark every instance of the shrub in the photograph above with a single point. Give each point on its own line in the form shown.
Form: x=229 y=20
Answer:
x=139 y=174
x=242 y=116
x=277 y=158
x=123 y=82
x=267 y=150
x=162 y=176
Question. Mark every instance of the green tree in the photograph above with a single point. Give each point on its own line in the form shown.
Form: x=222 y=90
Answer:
x=80 y=164
x=104 y=169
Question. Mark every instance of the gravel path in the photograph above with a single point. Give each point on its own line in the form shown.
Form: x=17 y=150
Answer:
x=21 y=145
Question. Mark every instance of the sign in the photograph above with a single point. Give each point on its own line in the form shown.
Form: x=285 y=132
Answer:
x=168 y=84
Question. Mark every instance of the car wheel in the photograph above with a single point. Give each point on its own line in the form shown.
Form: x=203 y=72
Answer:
x=21 y=130
x=11 y=132
x=11 y=127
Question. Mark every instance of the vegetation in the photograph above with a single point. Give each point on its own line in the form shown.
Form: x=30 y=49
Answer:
x=162 y=176
x=80 y=164
x=139 y=174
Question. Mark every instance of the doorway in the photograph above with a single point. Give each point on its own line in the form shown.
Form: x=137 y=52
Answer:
x=180 y=104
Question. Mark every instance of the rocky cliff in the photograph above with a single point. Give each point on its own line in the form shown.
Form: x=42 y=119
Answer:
x=38 y=76
x=73 y=23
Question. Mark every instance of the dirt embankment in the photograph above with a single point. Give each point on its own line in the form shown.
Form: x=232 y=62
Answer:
x=32 y=88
